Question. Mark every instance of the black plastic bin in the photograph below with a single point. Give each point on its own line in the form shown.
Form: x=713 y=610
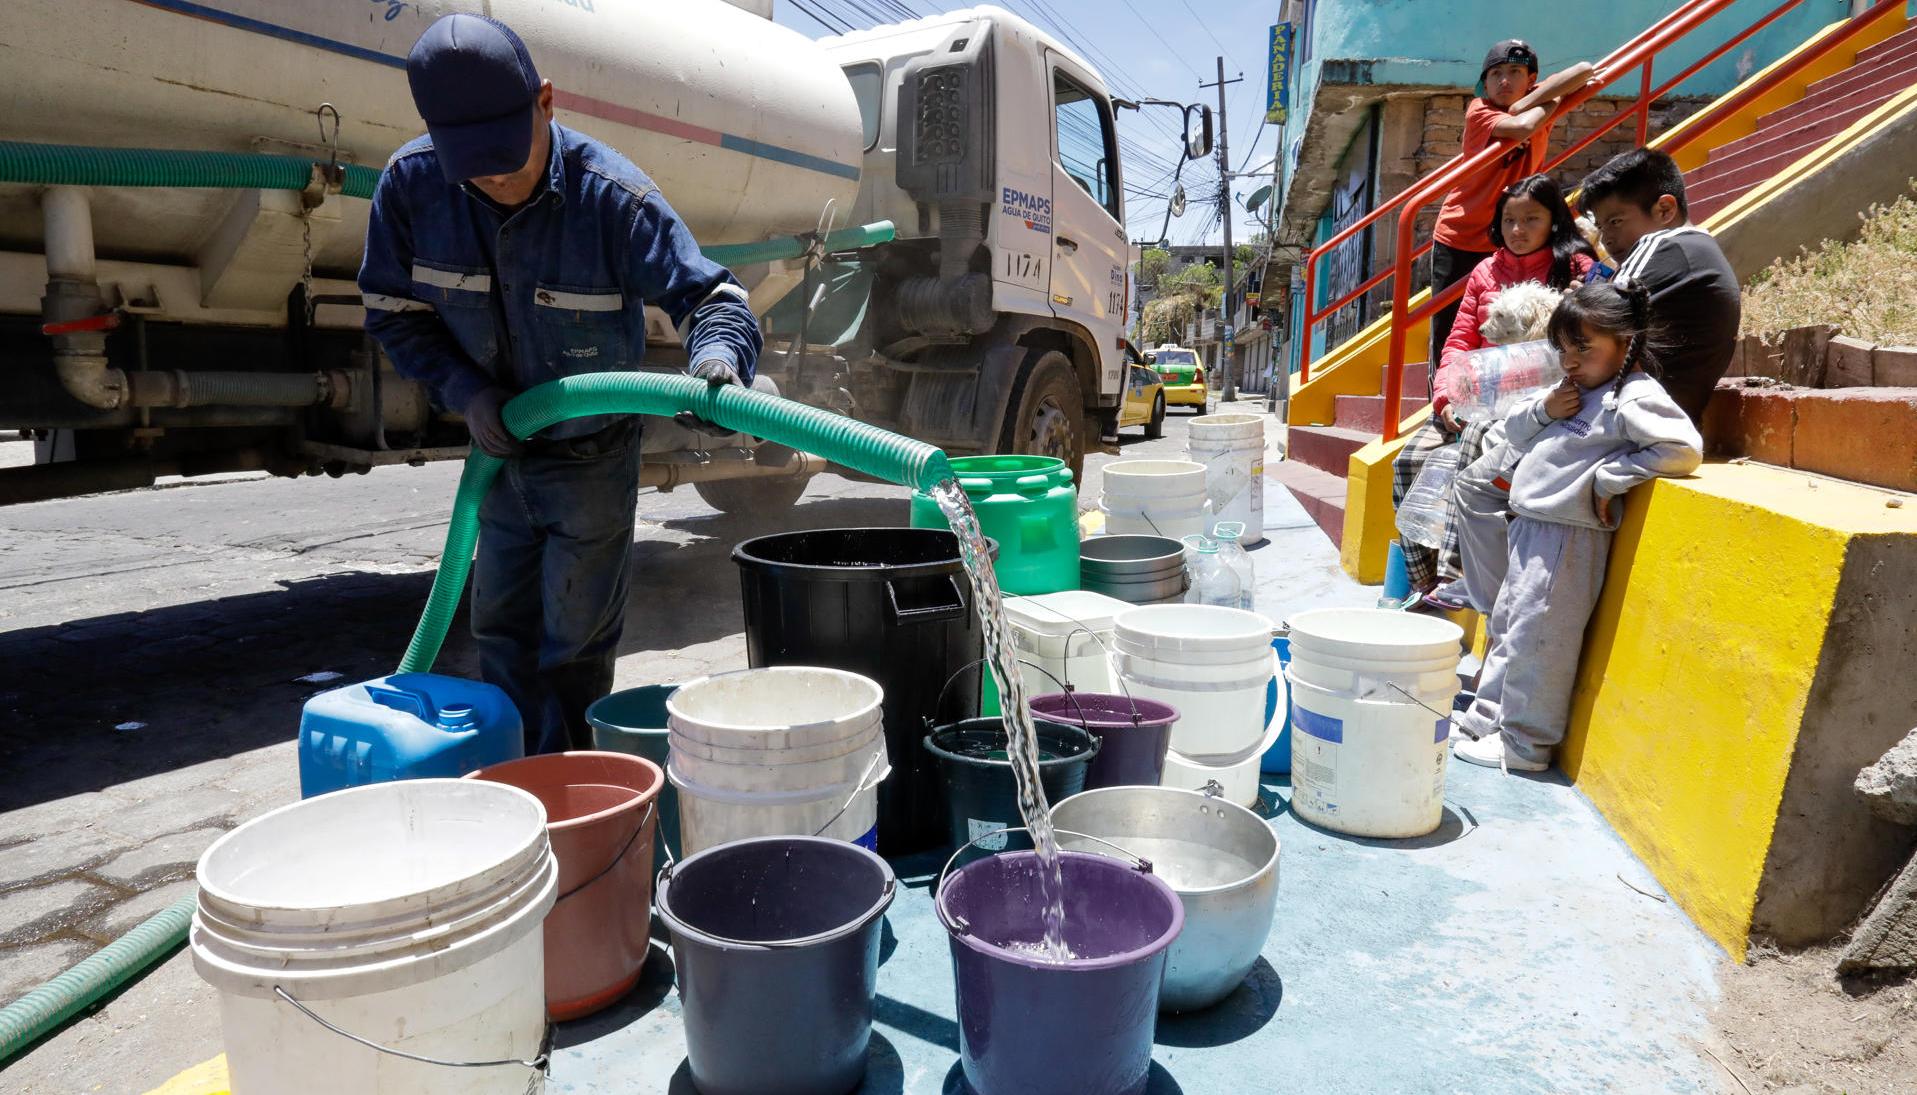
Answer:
x=891 y=604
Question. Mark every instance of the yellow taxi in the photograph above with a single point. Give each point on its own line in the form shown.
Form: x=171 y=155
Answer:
x=1183 y=376
x=1144 y=401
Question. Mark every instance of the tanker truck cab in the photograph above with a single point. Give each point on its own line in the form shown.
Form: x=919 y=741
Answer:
x=997 y=313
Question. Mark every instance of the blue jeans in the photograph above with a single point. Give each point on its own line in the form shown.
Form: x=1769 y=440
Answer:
x=550 y=581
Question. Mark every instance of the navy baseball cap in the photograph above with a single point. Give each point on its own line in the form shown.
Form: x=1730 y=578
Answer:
x=476 y=87
x=1511 y=51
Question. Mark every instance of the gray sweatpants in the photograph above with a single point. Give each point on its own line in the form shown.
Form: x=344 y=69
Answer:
x=1481 y=508
x=1554 y=574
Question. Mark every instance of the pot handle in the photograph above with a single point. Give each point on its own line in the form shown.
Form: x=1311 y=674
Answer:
x=957 y=924
x=931 y=614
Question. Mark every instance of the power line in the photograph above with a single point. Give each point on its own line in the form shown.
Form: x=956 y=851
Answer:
x=1160 y=34
x=1222 y=47
x=809 y=13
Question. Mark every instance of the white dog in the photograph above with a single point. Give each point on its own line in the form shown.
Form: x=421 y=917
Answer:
x=1519 y=313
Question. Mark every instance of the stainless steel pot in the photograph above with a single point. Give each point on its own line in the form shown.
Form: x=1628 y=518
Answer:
x=1221 y=858
x=1135 y=568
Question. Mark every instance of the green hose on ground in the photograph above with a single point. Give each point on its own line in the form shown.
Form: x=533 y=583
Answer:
x=844 y=441
x=27 y=1019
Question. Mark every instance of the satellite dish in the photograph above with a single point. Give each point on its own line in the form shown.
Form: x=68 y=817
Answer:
x=1178 y=201
x=1257 y=199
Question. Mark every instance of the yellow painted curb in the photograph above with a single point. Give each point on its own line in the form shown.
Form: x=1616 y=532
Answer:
x=1699 y=666
x=205 y=1078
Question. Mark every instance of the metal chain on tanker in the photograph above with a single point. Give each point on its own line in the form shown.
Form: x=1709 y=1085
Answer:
x=330 y=178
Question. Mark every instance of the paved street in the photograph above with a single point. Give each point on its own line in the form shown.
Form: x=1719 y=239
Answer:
x=158 y=645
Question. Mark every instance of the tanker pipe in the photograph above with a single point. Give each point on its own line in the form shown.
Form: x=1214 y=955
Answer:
x=77 y=321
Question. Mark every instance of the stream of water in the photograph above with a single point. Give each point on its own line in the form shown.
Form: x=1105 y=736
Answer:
x=1002 y=657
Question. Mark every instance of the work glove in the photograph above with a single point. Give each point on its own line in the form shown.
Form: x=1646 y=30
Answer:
x=487 y=427
x=716 y=374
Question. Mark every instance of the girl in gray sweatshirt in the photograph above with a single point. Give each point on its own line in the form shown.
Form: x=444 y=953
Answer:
x=1579 y=447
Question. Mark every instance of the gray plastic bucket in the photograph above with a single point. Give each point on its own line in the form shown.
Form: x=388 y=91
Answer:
x=776 y=944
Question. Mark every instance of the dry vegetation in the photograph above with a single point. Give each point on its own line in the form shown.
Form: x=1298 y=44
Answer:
x=1866 y=288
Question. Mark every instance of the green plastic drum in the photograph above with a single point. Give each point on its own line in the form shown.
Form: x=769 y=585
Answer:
x=1030 y=507
x=1027 y=504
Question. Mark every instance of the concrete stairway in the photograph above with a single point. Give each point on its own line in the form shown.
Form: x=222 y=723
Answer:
x=1786 y=135
x=1317 y=456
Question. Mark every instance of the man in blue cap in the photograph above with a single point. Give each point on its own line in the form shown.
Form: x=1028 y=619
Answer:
x=506 y=250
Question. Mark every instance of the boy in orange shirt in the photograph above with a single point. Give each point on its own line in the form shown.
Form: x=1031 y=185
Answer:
x=1511 y=104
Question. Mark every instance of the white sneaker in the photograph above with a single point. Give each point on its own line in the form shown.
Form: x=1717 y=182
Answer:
x=1490 y=752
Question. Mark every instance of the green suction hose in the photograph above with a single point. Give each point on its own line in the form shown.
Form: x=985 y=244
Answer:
x=78 y=165
x=27 y=1019
x=841 y=440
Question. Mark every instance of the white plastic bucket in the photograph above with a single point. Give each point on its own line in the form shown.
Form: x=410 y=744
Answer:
x=785 y=751
x=406 y=913
x=1067 y=636
x=1232 y=448
x=1154 y=497
x=1367 y=651
x=1370 y=696
x=1211 y=663
x=1237 y=773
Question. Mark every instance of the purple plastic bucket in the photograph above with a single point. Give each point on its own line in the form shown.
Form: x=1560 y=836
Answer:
x=1079 y=1027
x=1133 y=734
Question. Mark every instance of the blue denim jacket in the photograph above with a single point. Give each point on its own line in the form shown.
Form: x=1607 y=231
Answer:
x=464 y=297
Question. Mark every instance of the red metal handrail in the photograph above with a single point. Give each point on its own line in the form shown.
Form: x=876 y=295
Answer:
x=1639 y=53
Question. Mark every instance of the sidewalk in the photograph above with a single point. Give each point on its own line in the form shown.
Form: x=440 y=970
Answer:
x=1518 y=949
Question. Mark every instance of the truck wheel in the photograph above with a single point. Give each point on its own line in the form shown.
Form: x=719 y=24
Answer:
x=746 y=496
x=1046 y=416
x=1155 y=429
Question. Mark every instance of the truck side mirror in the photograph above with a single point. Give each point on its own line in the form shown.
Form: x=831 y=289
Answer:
x=1198 y=135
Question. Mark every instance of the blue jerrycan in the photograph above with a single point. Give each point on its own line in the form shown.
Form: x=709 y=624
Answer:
x=406 y=726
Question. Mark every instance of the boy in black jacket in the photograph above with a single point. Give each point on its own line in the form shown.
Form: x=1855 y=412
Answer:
x=1637 y=200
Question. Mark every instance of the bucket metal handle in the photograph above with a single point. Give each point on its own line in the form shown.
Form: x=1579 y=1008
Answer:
x=1111 y=669
x=539 y=1063
x=886 y=893
x=938 y=705
x=858 y=789
x=651 y=808
x=958 y=924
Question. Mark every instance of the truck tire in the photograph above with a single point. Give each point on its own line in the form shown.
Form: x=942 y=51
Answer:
x=1046 y=414
x=748 y=496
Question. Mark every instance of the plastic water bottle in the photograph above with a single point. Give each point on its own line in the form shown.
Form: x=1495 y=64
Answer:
x=1490 y=380
x=1233 y=552
x=1212 y=580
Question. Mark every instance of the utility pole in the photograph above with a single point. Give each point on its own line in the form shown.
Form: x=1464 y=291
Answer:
x=1227 y=350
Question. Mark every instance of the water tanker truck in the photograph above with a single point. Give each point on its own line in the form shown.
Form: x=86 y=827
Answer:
x=928 y=217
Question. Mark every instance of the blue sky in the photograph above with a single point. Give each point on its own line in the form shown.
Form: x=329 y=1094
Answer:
x=1147 y=48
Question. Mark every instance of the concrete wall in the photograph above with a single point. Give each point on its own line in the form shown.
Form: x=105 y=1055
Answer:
x=1751 y=651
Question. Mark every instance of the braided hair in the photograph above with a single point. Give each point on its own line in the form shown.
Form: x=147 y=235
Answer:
x=1605 y=308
